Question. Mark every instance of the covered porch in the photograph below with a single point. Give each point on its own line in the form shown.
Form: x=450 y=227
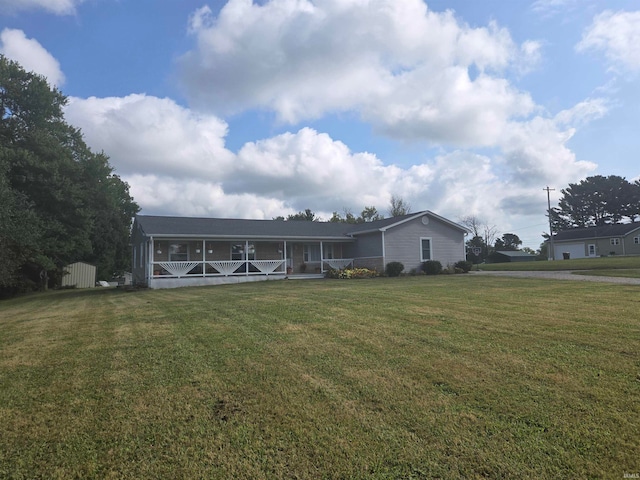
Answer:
x=172 y=259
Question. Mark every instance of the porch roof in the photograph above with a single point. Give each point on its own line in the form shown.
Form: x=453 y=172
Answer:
x=158 y=226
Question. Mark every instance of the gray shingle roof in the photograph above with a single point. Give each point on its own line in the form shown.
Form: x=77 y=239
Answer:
x=231 y=227
x=603 y=231
x=238 y=228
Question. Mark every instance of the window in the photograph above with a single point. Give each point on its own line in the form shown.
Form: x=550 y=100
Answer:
x=425 y=249
x=311 y=253
x=327 y=250
x=615 y=241
x=636 y=240
x=237 y=251
x=178 y=252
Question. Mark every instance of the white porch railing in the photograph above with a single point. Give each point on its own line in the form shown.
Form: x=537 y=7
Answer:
x=178 y=269
x=226 y=267
x=338 y=263
x=220 y=268
x=267 y=266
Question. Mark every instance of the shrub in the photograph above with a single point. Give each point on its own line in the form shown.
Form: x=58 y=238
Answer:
x=432 y=267
x=464 y=265
x=394 y=269
x=351 y=273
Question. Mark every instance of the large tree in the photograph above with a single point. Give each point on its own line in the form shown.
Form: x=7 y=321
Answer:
x=508 y=241
x=597 y=200
x=70 y=204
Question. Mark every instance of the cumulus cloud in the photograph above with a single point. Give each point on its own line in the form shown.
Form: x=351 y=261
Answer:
x=617 y=36
x=58 y=7
x=148 y=134
x=409 y=71
x=15 y=45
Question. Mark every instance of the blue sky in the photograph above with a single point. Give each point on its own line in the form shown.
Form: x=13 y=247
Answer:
x=257 y=109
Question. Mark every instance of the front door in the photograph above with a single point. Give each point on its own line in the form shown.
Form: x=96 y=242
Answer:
x=592 y=250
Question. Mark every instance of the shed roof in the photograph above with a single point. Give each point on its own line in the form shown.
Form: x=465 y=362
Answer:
x=602 y=231
x=514 y=253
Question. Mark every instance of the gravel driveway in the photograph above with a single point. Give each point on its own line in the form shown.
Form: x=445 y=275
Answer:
x=566 y=275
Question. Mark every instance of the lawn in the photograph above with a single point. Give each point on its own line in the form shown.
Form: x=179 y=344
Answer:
x=598 y=263
x=452 y=376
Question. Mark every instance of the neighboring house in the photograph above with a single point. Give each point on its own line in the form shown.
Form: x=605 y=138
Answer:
x=504 y=256
x=182 y=251
x=79 y=275
x=615 y=239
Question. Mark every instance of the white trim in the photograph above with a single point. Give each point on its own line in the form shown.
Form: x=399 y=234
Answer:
x=430 y=249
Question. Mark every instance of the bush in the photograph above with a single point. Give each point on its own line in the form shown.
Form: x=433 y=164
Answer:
x=463 y=265
x=432 y=267
x=394 y=269
x=351 y=273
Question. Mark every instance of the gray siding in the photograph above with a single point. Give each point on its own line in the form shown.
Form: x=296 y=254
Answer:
x=402 y=243
x=368 y=245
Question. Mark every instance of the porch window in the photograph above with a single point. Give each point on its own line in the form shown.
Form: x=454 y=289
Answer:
x=425 y=249
x=311 y=252
x=327 y=250
x=178 y=252
x=615 y=241
x=238 y=253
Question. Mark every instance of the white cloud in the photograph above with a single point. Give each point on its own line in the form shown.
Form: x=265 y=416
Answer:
x=411 y=72
x=149 y=134
x=617 y=35
x=15 y=45
x=58 y=7
x=549 y=8
x=176 y=163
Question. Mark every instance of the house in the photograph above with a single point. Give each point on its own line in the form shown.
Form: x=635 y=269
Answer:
x=79 y=275
x=611 y=239
x=505 y=256
x=184 y=251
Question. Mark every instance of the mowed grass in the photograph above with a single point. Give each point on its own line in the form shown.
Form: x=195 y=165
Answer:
x=598 y=263
x=418 y=377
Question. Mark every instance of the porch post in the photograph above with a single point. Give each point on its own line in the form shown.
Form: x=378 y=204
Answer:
x=246 y=257
x=152 y=245
x=204 y=273
x=321 y=258
x=284 y=256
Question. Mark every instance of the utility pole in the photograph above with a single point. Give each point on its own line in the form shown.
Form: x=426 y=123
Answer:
x=551 y=255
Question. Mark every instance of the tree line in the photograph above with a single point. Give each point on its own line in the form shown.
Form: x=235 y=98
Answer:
x=60 y=202
x=397 y=207
x=596 y=201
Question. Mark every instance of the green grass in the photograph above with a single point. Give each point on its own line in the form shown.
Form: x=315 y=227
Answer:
x=621 y=272
x=414 y=377
x=598 y=263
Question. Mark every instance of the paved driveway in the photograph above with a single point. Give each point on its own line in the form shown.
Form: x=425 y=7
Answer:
x=561 y=276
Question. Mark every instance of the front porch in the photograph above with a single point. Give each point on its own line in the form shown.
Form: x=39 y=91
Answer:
x=181 y=262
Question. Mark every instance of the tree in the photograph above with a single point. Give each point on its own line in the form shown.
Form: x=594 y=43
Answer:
x=595 y=201
x=398 y=206
x=508 y=241
x=307 y=216
x=369 y=214
x=70 y=205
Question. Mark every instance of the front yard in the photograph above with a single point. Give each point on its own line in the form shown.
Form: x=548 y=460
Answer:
x=414 y=377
